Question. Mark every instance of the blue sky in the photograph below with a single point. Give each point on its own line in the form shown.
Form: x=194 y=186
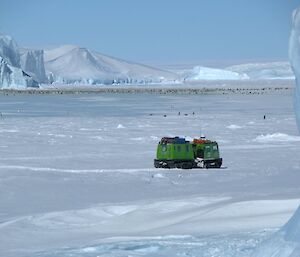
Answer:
x=166 y=31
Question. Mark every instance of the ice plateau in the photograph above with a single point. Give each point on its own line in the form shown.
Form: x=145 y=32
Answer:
x=269 y=70
x=286 y=242
x=11 y=73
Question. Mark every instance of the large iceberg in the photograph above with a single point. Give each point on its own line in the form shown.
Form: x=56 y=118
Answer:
x=11 y=73
x=205 y=73
x=250 y=71
x=286 y=242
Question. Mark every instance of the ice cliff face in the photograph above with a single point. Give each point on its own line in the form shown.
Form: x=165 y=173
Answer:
x=11 y=73
x=32 y=62
x=286 y=243
x=9 y=51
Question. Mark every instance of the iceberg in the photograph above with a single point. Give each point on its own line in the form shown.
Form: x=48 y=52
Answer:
x=13 y=77
x=205 y=73
x=11 y=73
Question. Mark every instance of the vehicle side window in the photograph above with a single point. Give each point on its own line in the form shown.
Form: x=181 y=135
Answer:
x=164 y=148
x=200 y=153
x=178 y=148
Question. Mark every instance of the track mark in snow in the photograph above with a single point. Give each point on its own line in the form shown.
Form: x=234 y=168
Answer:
x=48 y=169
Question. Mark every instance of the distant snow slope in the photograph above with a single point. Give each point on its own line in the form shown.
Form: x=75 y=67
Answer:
x=11 y=73
x=286 y=243
x=74 y=64
x=270 y=70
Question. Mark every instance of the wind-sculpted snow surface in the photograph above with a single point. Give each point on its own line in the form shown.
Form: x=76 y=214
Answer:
x=286 y=243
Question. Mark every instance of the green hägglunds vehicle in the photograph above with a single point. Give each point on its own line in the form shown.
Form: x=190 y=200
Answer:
x=175 y=152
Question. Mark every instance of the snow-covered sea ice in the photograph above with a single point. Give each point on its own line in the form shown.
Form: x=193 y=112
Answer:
x=74 y=188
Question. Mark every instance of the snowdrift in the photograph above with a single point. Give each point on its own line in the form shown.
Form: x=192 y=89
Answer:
x=276 y=137
x=286 y=243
